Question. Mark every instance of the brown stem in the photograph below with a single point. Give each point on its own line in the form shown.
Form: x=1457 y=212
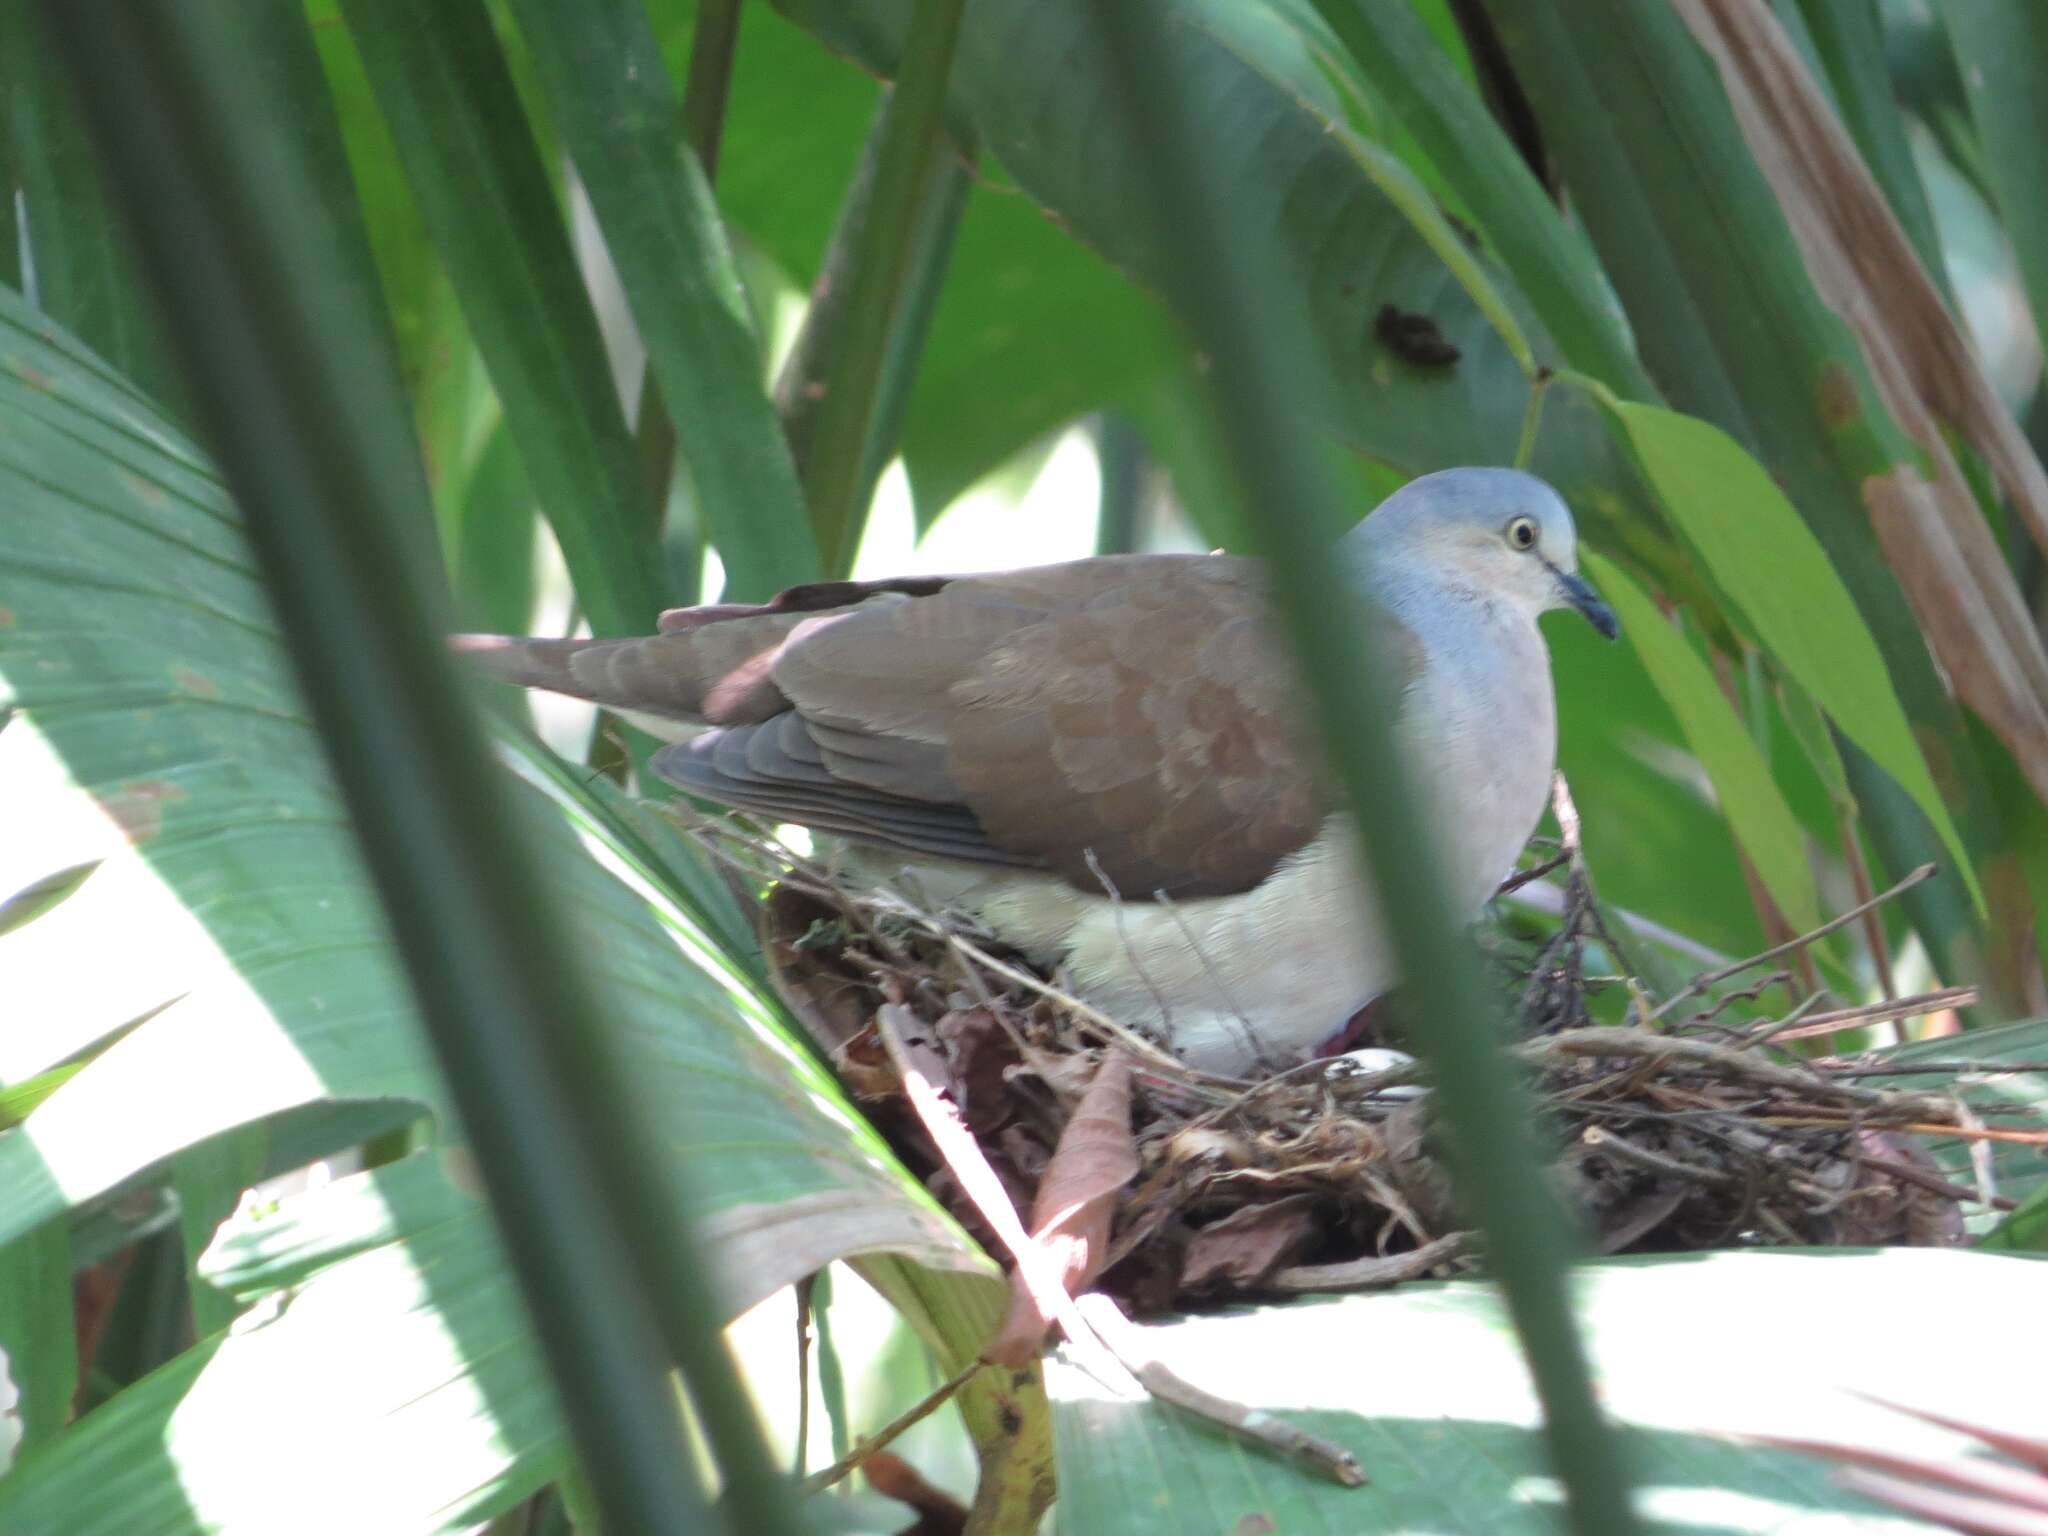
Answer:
x=923 y=1408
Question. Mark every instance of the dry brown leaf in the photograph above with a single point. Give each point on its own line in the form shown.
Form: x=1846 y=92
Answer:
x=827 y=997
x=1240 y=1251
x=1076 y=1203
x=939 y=1513
x=1932 y=532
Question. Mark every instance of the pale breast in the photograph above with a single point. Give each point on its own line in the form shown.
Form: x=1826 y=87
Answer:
x=1263 y=976
x=1488 y=689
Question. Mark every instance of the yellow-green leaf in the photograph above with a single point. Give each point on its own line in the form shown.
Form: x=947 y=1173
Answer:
x=1750 y=798
x=1762 y=554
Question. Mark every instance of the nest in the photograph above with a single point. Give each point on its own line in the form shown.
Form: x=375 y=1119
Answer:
x=1682 y=1129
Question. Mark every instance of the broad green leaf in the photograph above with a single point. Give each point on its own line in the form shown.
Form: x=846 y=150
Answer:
x=493 y=567
x=1424 y=1384
x=1766 y=559
x=619 y=120
x=437 y=358
x=282 y=1245
x=1000 y=366
x=79 y=265
x=38 y=1342
x=1848 y=38
x=2024 y=1231
x=1811 y=729
x=154 y=727
x=1728 y=324
x=454 y=114
x=2000 y=1071
x=388 y=1289
x=1437 y=102
x=1750 y=798
x=1031 y=77
x=432 y=1411
x=209 y=1180
x=2001 y=49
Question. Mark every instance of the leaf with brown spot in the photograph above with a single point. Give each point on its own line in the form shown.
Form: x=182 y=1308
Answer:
x=1076 y=1203
x=1933 y=534
x=194 y=684
x=137 y=807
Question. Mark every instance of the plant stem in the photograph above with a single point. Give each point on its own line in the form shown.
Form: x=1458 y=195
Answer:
x=713 y=43
x=1259 y=351
x=838 y=450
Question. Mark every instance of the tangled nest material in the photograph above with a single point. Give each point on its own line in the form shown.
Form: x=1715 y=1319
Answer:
x=1681 y=1130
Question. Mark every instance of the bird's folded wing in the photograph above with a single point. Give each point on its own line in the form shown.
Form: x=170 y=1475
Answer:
x=1128 y=722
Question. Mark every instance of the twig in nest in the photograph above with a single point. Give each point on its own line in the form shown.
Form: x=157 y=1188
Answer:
x=1917 y=1127
x=1873 y=1013
x=1765 y=1034
x=1599 y=1041
x=1971 y=1069
x=868 y=1445
x=1906 y=1173
x=1749 y=994
x=1706 y=979
x=1651 y=1161
x=1372 y=1273
x=1125 y=1340
x=1123 y=937
x=1530 y=876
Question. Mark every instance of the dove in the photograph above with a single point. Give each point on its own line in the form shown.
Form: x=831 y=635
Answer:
x=1110 y=763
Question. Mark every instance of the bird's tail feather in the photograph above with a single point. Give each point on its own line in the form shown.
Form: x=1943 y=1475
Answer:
x=714 y=675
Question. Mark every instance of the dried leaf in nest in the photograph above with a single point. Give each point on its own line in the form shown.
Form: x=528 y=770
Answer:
x=1076 y=1203
x=801 y=939
x=1173 y=1189
x=1238 y=1253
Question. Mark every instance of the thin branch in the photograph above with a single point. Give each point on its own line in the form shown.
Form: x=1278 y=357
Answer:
x=1126 y=1341
x=1706 y=979
x=713 y=42
x=803 y=1369
x=1871 y=1013
x=1859 y=879
x=1373 y=1273
x=868 y=1445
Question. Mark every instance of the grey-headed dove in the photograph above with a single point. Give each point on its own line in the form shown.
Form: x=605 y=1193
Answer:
x=1107 y=760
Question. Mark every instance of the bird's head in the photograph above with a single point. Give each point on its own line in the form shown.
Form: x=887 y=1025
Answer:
x=1504 y=534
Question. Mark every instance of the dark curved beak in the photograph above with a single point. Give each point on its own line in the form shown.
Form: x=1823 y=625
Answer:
x=1582 y=597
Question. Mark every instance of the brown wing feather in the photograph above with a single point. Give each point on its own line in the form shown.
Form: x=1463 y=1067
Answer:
x=1148 y=723
x=1134 y=711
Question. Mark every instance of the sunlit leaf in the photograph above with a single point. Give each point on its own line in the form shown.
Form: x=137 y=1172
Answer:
x=1773 y=569
x=1425 y=1385
x=1749 y=797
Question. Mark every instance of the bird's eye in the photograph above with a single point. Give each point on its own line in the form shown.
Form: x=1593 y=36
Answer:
x=1522 y=533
